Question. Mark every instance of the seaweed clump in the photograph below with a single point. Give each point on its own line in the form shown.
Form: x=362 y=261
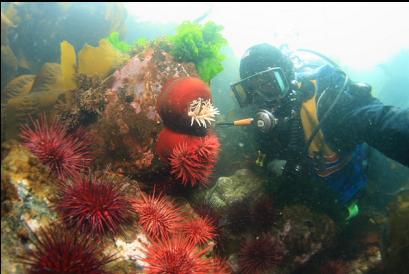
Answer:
x=117 y=43
x=195 y=43
x=138 y=46
x=201 y=45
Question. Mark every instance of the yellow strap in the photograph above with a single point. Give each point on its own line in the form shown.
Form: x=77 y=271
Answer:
x=309 y=119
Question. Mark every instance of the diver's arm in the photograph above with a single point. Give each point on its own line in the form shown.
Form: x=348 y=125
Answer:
x=362 y=118
x=385 y=128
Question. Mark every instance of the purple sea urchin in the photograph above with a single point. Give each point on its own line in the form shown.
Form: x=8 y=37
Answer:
x=261 y=255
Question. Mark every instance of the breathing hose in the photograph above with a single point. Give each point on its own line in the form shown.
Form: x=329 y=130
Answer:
x=242 y=122
x=320 y=55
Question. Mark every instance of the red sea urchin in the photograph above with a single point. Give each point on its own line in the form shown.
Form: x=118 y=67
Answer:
x=95 y=206
x=57 y=251
x=176 y=255
x=199 y=230
x=188 y=167
x=191 y=158
x=158 y=217
x=261 y=255
x=66 y=155
x=207 y=208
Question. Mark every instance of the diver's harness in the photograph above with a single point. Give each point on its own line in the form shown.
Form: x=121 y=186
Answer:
x=266 y=121
x=297 y=148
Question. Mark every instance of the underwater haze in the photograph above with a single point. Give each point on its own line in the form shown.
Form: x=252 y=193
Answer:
x=206 y=137
x=367 y=39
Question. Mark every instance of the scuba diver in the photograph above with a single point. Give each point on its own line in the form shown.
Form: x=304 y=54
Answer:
x=318 y=120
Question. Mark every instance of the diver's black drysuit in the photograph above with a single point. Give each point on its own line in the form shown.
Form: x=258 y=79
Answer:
x=357 y=117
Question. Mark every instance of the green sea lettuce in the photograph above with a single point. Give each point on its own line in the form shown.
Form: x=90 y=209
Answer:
x=201 y=45
x=117 y=43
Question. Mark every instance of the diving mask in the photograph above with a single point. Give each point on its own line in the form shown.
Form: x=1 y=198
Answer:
x=266 y=86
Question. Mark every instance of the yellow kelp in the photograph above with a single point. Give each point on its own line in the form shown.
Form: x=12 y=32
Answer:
x=68 y=65
x=99 y=60
x=20 y=85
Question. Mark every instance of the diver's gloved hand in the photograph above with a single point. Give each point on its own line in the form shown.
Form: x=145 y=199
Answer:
x=276 y=167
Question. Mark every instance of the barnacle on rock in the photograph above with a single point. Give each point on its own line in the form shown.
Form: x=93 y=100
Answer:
x=87 y=104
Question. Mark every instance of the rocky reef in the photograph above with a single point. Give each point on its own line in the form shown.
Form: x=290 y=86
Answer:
x=248 y=212
x=397 y=252
x=128 y=126
x=27 y=189
x=116 y=109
